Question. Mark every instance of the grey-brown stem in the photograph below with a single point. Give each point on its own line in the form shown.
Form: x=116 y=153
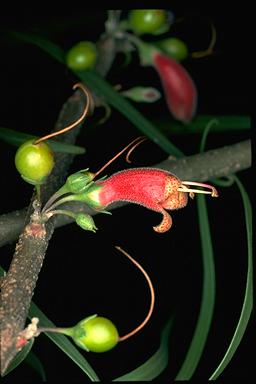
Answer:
x=18 y=286
x=19 y=283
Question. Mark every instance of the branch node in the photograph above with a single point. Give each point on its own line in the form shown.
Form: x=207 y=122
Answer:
x=27 y=334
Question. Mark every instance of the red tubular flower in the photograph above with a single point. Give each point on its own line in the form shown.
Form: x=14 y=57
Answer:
x=180 y=90
x=153 y=188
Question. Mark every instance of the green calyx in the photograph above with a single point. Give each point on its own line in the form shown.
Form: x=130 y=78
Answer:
x=80 y=181
x=75 y=185
x=89 y=196
x=95 y=334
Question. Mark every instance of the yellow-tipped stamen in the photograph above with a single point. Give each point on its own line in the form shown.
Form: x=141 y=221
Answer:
x=183 y=188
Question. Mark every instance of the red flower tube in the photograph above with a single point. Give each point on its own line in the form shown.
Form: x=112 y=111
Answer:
x=180 y=90
x=153 y=188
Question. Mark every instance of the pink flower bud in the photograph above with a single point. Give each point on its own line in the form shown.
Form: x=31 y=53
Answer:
x=180 y=90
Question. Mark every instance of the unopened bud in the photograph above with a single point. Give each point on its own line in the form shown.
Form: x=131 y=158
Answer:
x=86 y=222
x=79 y=181
x=142 y=94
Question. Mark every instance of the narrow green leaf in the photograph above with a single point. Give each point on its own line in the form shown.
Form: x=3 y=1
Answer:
x=101 y=86
x=17 y=138
x=209 y=125
x=63 y=343
x=248 y=297
x=19 y=357
x=46 y=45
x=13 y=137
x=225 y=181
x=155 y=365
x=36 y=364
x=227 y=123
x=208 y=294
x=58 y=146
x=208 y=297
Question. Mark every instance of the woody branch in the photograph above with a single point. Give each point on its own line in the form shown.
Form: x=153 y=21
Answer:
x=205 y=166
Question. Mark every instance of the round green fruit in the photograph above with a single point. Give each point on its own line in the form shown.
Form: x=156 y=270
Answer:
x=174 y=47
x=34 y=161
x=96 y=334
x=82 y=56
x=147 y=20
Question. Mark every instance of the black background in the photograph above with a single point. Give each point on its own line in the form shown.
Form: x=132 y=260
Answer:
x=83 y=274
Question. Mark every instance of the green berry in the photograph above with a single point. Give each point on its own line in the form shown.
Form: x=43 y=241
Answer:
x=34 y=161
x=147 y=20
x=174 y=47
x=96 y=334
x=82 y=56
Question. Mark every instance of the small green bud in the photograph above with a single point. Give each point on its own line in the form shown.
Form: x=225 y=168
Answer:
x=142 y=94
x=95 y=334
x=78 y=182
x=86 y=222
